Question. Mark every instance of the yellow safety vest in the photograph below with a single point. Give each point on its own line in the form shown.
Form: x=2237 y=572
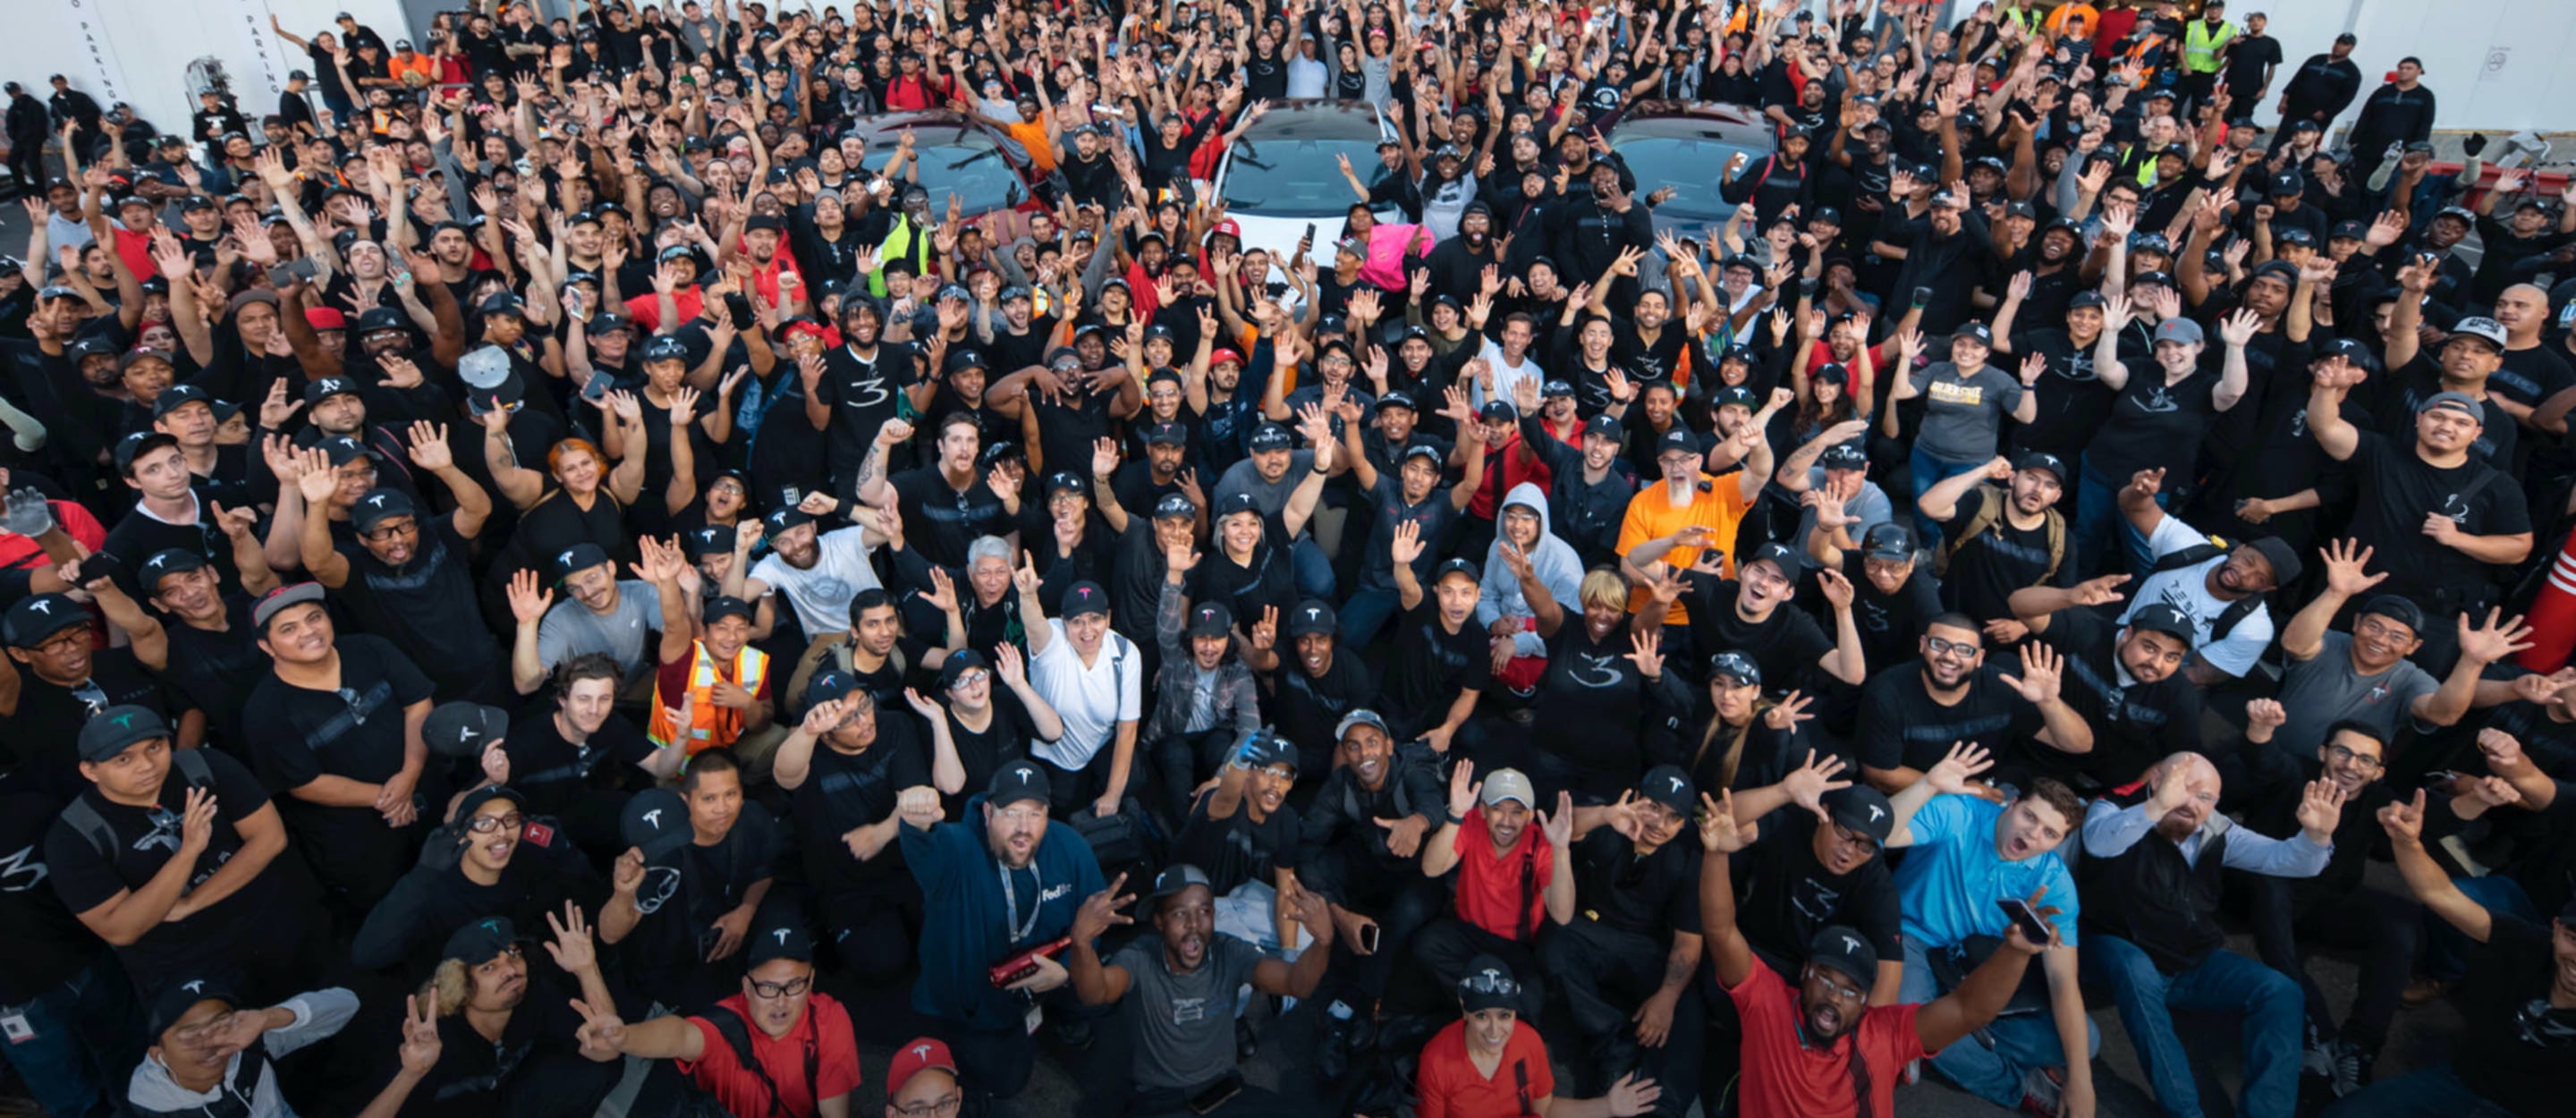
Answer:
x=710 y=725
x=2200 y=45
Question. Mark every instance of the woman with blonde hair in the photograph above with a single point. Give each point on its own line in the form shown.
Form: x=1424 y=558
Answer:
x=1604 y=706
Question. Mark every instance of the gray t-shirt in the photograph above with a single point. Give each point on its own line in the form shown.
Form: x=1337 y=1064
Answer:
x=1273 y=495
x=570 y=629
x=2323 y=690
x=1871 y=507
x=1964 y=416
x=1184 y=1022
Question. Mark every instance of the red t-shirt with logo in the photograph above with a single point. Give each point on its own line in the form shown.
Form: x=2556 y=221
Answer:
x=825 y=1025
x=1490 y=890
x=1784 y=1078
x=1451 y=1086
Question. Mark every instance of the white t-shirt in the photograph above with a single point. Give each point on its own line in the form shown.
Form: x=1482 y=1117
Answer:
x=1507 y=376
x=1092 y=699
x=2187 y=589
x=822 y=593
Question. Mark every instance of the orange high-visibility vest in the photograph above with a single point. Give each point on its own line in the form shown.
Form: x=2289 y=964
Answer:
x=710 y=725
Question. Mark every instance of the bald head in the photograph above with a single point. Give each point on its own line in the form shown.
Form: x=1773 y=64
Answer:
x=2523 y=310
x=2184 y=790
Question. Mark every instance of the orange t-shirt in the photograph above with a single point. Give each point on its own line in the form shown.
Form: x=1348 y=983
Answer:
x=1651 y=515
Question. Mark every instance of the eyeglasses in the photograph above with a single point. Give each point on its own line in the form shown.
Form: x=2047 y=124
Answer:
x=391 y=531
x=486 y=824
x=2341 y=755
x=787 y=989
x=1938 y=647
x=1839 y=987
x=966 y=679
x=1023 y=815
x=936 y=1108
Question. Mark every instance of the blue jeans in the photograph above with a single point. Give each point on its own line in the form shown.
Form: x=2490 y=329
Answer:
x=2099 y=524
x=2435 y=1092
x=1367 y=612
x=1312 y=568
x=2446 y=950
x=2270 y=1003
x=87 y=1034
x=1928 y=471
x=2021 y=1041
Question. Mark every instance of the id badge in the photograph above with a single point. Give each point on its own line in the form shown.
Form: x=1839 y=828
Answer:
x=18 y=1030
x=1036 y=1016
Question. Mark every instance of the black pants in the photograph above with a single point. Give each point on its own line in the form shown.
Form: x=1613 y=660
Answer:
x=2386 y=925
x=1606 y=974
x=1183 y=760
x=27 y=163
x=1398 y=897
x=554 y=1081
x=1071 y=790
x=995 y=1062
x=872 y=928
x=1447 y=946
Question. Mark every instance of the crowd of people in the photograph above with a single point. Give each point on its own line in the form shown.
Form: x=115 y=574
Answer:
x=550 y=575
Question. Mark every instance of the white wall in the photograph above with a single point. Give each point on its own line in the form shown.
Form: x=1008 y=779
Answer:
x=139 y=51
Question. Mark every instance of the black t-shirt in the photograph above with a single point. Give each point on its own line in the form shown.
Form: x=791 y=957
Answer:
x=2073 y=401
x=1986 y=570
x=145 y=839
x=2529 y=376
x=216 y=671
x=426 y=606
x=1003 y=740
x=862 y=394
x=1785 y=645
x=43 y=736
x=685 y=890
x=939 y=521
x=2134 y=724
x=1890 y=623
x=1267 y=581
x=407 y=929
x=2248 y=58
x=47 y=944
x=1432 y=665
x=300 y=734
x=2154 y=425
x=554 y=774
x=2398 y=488
x=1066 y=435
x=1436 y=518
x=845 y=792
x=2517 y=1047
x=1308 y=707
x=478 y=1076
x=1237 y=848
x=1789 y=895
x=1902 y=727
x=1653 y=896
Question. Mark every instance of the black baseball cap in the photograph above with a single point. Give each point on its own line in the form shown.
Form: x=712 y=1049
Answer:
x=2286 y=567
x=1314 y=615
x=783 y=939
x=1863 y=809
x=1679 y=438
x=1176 y=506
x=1736 y=666
x=112 y=731
x=578 y=558
x=1016 y=782
x=179 y=396
x=1166 y=434
x=462 y=729
x=1606 y=426
x=722 y=606
x=2161 y=617
x=1457 y=567
x=2397 y=609
x=1779 y=555
x=1670 y=786
x=1211 y=619
x=1177 y=878
x=166 y=562
x=1271 y=436
x=378 y=506
x=479 y=941
x=1841 y=948
x=2041 y=460
x=324 y=388
x=36 y=618
x=1085 y=597
x=276 y=601
x=1889 y=540
x=959 y=663
x=1843 y=456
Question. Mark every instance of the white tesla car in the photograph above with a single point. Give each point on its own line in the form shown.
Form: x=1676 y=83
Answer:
x=1284 y=177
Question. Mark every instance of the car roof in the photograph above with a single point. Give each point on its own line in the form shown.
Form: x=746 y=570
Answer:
x=1318 y=119
x=888 y=126
x=1695 y=120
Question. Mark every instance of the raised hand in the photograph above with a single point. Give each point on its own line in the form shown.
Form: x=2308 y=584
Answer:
x=420 y=1043
x=2039 y=678
x=1100 y=911
x=571 y=947
x=528 y=600
x=1558 y=825
x=2347 y=565
x=1406 y=546
x=1808 y=784
x=2098 y=591
x=1951 y=775
x=1790 y=711
x=2320 y=807
x=2494 y=640
x=1463 y=787
x=1719 y=832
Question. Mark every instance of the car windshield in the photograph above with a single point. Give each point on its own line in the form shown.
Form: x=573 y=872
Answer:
x=1692 y=167
x=1296 y=176
x=966 y=163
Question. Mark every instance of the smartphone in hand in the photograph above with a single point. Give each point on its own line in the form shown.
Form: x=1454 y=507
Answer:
x=2026 y=918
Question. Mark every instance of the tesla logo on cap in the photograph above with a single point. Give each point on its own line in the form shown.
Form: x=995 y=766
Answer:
x=921 y=1050
x=378 y=500
x=653 y=819
x=125 y=720
x=1851 y=945
x=565 y=558
x=781 y=933
x=1492 y=975
x=466 y=733
x=42 y=606
x=1874 y=813
x=1313 y=613
x=196 y=987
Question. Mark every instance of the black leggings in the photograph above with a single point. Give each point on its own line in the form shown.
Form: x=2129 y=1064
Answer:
x=1183 y=760
x=2386 y=924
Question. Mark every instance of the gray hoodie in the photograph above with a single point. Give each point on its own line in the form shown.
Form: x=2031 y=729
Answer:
x=318 y=1015
x=1557 y=566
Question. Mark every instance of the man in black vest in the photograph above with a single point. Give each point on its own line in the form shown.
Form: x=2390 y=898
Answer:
x=2150 y=880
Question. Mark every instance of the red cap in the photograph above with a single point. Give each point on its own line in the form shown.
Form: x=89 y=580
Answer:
x=804 y=326
x=920 y=1052
x=1222 y=356
x=1229 y=228
x=324 y=318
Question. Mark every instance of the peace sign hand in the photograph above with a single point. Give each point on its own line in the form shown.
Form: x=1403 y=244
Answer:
x=420 y=1043
x=1101 y=910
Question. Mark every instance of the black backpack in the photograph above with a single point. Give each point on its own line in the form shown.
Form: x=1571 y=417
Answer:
x=737 y=1036
x=93 y=827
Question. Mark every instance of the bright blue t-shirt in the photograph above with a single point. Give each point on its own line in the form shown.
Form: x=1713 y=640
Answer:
x=1952 y=877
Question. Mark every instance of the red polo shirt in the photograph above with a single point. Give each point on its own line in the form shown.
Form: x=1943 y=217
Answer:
x=825 y=1026
x=1490 y=890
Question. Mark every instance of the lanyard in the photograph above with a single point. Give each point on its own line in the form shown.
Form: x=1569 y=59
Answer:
x=1011 y=902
